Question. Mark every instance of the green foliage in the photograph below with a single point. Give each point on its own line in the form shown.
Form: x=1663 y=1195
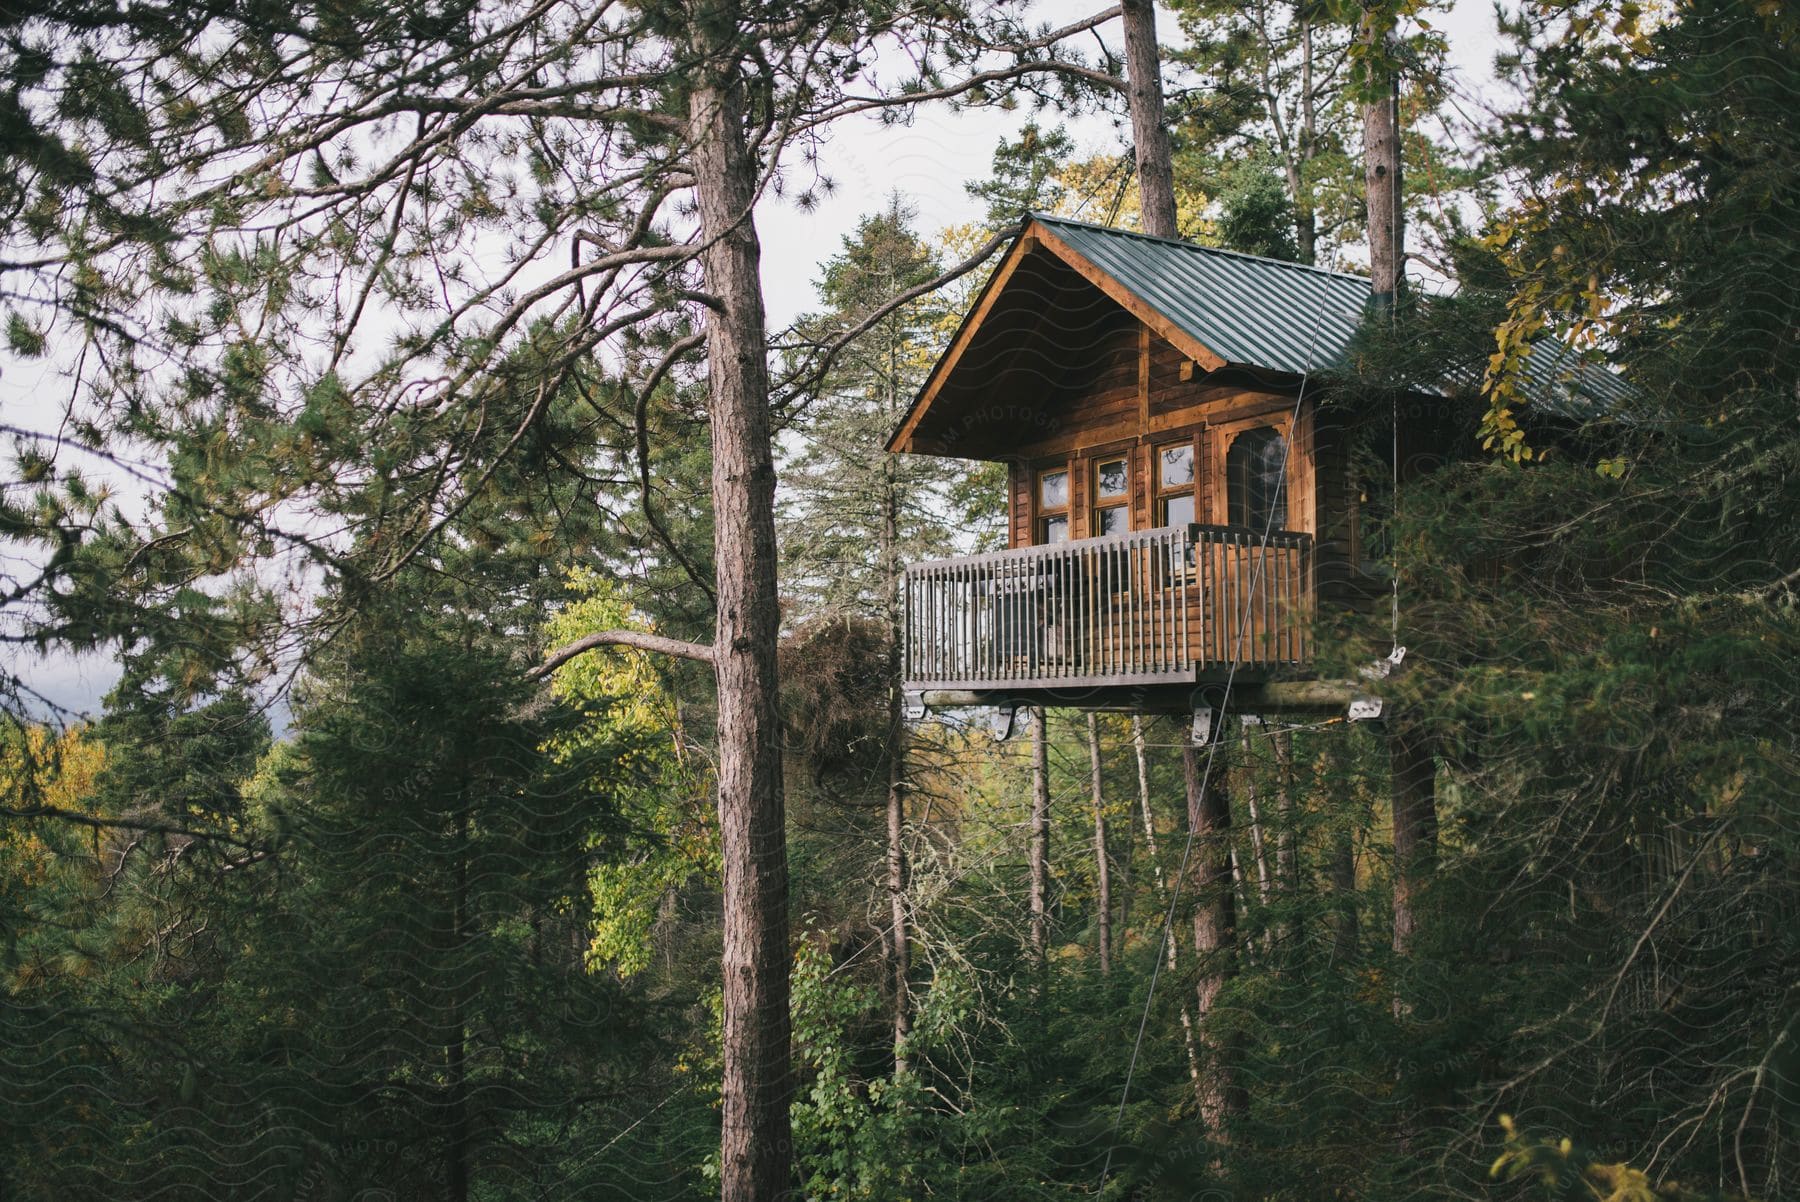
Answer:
x=1601 y=640
x=1662 y=225
x=1024 y=177
x=1256 y=214
x=451 y=926
x=22 y=338
x=841 y=489
x=372 y=942
x=630 y=726
x=853 y=1133
x=1565 y=1172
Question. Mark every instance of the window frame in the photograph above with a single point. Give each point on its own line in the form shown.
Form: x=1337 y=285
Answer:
x=1159 y=495
x=1119 y=500
x=1039 y=514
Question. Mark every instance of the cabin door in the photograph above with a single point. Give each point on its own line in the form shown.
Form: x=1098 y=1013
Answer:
x=1257 y=559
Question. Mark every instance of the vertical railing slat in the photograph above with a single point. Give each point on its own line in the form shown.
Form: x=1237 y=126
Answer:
x=1166 y=579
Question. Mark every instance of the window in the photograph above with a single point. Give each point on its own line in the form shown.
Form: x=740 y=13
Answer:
x=1175 y=484
x=1256 y=480
x=1053 y=506
x=1112 y=497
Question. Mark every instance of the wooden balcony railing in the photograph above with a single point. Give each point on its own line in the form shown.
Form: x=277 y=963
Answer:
x=1153 y=606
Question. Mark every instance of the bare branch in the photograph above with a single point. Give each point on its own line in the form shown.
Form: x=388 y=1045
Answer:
x=642 y=640
x=836 y=346
x=641 y=418
x=1069 y=30
x=852 y=106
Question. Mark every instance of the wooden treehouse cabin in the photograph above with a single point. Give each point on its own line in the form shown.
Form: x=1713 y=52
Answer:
x=1179 y=503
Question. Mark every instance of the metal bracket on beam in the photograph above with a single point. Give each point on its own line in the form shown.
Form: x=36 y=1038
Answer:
x=1381 y=669
x=1201 y=734
x=913 y=707
x=1000 y=721
x=1365 y=709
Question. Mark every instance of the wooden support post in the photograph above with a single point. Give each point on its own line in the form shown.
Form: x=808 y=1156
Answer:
x=1215 y=924
x=1040 y=837
x=1415 y=826
x=1143 y=380
x=1102 y=869
x=1322 y=697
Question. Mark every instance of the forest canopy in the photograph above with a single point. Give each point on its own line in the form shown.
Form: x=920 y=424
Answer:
x=507 y=788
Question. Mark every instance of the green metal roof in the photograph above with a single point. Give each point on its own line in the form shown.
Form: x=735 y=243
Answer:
x=1288 y=317
x=1558 y=381
x=1248 y=310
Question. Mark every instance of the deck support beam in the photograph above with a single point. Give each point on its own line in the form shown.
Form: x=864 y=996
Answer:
x=1322 y=697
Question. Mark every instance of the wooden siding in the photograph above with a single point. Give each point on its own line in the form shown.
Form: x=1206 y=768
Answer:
x=1018 y=482
x=1131 y=401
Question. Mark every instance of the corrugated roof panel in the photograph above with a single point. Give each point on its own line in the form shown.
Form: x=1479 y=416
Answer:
x=1248 y=310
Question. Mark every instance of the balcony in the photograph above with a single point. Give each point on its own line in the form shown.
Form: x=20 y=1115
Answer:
x=1154 y=607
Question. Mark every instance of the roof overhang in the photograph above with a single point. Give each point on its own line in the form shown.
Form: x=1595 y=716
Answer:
x=1037 y=243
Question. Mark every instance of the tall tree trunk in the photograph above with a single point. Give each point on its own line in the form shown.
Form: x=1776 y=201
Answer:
x=1415 y=826
x=1240 y=899
x=755 y=1153
x=1149 y=127
x=1162 y=888
x=1381 y=161
x=1344 y=933
x=1040 y=837
x=1287 y=876
x=456 y=1050
x=898 y=940
x=1341 y=864
x=1215 y=925
x=1306 y=219
x=1102 y=869
x=1259 y=839
x=1415 y=850
x=1125 y=863
x=1258 y=834
x=1414 y=802
x=1287 y=872
x=899 y=947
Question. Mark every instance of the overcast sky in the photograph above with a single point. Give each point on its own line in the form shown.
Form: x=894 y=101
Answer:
x=927 y=162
